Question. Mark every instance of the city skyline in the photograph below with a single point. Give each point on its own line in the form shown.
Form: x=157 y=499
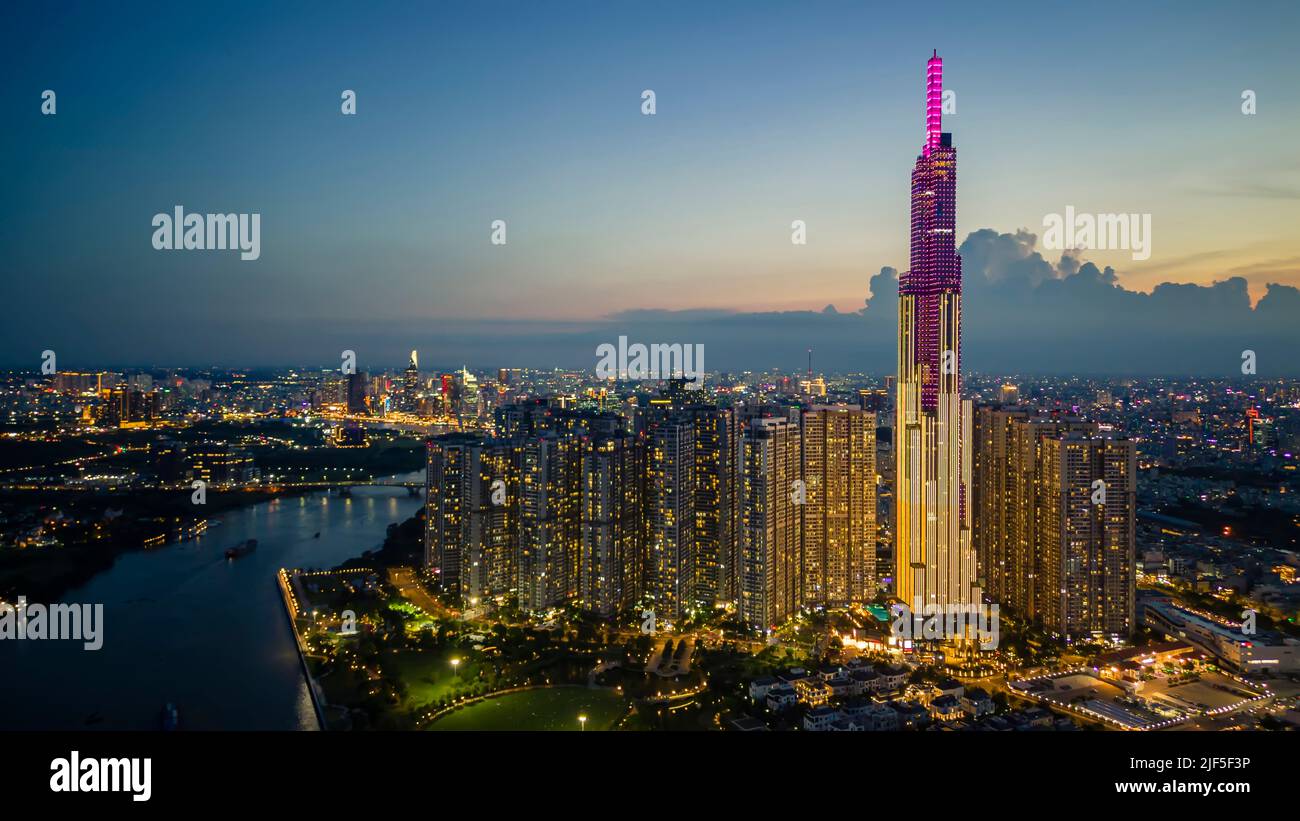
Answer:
x=326 y=451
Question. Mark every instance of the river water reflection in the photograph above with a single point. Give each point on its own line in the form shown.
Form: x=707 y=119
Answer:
x=183 y=624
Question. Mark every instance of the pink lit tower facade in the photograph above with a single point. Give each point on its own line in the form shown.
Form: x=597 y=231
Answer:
x=935 y=560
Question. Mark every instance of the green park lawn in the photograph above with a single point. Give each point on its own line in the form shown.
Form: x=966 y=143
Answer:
x=542 y=708
x=429 y=675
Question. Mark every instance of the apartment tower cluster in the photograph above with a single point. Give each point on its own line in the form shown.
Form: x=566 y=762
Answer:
x=681 y=507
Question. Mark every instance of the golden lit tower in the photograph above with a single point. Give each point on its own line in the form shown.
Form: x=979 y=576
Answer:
x=839 y=512
x=771 y=563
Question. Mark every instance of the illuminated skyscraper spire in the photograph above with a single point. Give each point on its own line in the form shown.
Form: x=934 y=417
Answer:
x=933 y=102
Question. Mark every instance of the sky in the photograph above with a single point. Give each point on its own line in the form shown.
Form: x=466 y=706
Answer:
x=376 y=228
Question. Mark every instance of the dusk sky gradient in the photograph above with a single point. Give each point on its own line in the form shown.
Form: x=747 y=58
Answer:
x=375 y=228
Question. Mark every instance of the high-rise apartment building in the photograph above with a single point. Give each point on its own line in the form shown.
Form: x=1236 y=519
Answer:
x=994 y=499
x=769 y=578
x=1054 y=521
x=1007 y=497
x=716 y=510
x=1086 y=539
x=612 y=563
x=838 y=514
x=490 y=515
x=1023 y=578
x=446 y=472
x=550 y=506
x=670 y=490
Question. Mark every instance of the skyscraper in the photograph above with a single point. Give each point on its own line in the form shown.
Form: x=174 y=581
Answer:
x=1007 y=501
x=489 y=511
x=411 y=384
x=671 y=492
x=1054 y=521
x=715 y=437
x=550 y=507
x=771 y=560
x=612 y=562
x=839 y=511
x=1087 y=537
x=933 y=551
x=358 y=391
x=995 y=502
x=445 y=508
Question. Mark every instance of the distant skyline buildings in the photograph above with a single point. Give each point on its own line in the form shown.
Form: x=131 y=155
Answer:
x=1023 y=315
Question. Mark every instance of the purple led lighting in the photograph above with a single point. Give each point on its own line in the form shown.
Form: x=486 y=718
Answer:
x=934 y=277
x=933 y=102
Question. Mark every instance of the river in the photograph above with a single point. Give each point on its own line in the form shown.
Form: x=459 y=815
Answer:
x=183 y=624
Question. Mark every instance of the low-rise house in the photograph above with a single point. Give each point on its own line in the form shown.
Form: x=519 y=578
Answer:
x=812 y=691
x=865 y=680
x=841 y=685
x=1039 y=716
x=977 y=703
x=946 y=708
x=781 y=697
x=758 y=687
x=950 y=687
x=878 y=718
x=892 y=678
x=910 y=714
x=820 y=719
x=996 y=724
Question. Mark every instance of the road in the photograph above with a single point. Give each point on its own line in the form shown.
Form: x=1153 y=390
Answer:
x=403 y=578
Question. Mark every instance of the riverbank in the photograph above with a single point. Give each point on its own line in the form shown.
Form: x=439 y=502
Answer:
x=291 y=610
x=188 y=626
x=59 y=530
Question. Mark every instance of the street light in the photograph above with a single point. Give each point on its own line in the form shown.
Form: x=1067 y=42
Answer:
x=582 y=721
x=455 y=665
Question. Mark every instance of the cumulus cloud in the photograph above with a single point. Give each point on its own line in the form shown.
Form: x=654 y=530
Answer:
x=1027 y=313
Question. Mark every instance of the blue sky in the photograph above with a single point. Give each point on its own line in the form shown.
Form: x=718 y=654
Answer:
x=376 y=227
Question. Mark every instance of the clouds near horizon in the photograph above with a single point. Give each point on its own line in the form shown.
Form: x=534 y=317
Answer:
x=1022 y=312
